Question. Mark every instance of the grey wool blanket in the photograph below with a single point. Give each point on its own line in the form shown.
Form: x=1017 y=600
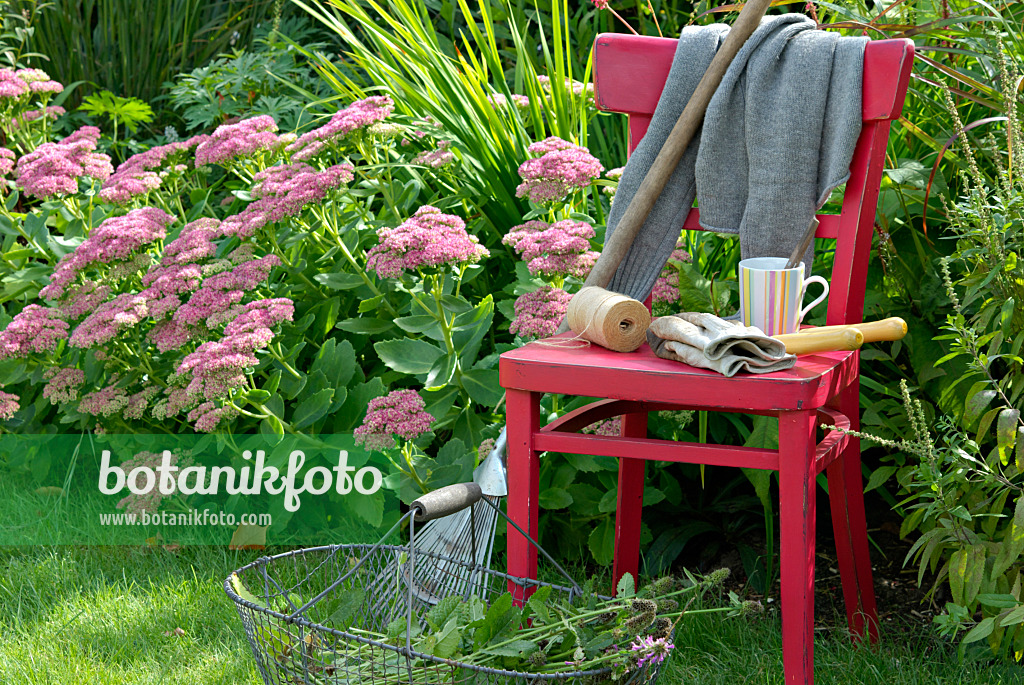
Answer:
x=778 y=136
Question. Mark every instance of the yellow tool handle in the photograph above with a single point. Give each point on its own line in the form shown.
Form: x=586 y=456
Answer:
x=893 y=328
x=844 y=338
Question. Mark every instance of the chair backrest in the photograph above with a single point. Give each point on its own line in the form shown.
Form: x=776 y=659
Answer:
x=630 y=73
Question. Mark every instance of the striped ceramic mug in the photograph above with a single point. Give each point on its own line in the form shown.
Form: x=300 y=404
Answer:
x=771 y=295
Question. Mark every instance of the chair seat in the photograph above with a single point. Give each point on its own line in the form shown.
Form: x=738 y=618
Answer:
x=594 y=371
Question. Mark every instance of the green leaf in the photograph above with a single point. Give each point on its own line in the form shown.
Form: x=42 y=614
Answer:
x=879 y=476
x=1006 y=433
x=626 y=586
x=417 y=324
x=406 y=355
x=348 y=605
x=370 y=304
x=339 y=281
x=455 y=305
x=312 y=409
x=517 y=648
x=449 y=639
x=977 y=400
x=554 y=498
x=980 y=631
x=364 y=326
x=482 y=386
x=441 y=372
x=439 y=614
x=998 y=601
x=602 y=542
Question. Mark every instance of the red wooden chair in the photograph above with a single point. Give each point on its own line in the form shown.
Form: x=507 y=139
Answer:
x=630 y=72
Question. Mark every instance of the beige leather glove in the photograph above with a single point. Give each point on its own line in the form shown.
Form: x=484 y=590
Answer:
x=706 y=341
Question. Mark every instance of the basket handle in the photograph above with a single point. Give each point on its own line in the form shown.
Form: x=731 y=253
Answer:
x=445 y=501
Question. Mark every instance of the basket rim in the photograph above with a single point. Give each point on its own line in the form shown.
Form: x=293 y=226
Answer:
x=402 y=650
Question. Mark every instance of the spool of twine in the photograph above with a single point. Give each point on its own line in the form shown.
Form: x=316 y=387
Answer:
x=608 y=319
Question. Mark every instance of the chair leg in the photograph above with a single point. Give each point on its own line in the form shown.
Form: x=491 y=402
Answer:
x=796 y=513
x=846 y=497
x=523 y=464
x=630 y=502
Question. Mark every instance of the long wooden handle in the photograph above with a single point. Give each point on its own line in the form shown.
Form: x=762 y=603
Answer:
x=825 y=341
x=690 y=120
x=893 y=328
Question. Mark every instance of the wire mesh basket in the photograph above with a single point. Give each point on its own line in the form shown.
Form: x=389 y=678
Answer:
x=316 y=616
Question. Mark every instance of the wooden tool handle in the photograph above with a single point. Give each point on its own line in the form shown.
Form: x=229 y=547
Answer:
x=846 y=338
x=893 y=328
x=689 y=121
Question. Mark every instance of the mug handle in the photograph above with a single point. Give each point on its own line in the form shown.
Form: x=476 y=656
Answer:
x=820 y=298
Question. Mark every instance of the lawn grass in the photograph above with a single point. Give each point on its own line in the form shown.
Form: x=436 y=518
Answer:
x=92 y=615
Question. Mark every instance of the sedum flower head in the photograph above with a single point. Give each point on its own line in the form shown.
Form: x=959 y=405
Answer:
x=358 y=115
x=9 y=405
x=561 y=168
x=539 y=313
x=63 y=384
x=34 y=329
x=54 y=168
x=558 y=249
x=429 y=238
x=400 y=412
x=243 y=139
x=136 y=177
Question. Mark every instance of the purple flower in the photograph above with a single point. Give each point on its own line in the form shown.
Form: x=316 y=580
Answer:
x=116 y=240
x=34 y=329
x=400 y=413
x=281 y=192
x=124 y=311
x=54 y=168
x=6 y=161
x=10 y=85
x=135 y=177
x=600 y=4
x=34 y=114
x=105 y=401
x=215 y=369
x=436 y=158
x=8 y=405
x=149 y=502
x=612 y=427
x=221 y=291
x=651 y=651
x=207 y=416
x=561 y=168
x=38 y=81
x=427 y=239
x=63 y=384
x=243 y=139
x=666 y=288
x=539 y=313
x=499 y=101
x=558 y=249
x=359 y=114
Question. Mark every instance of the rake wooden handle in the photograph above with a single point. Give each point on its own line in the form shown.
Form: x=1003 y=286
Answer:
x=893 y=328
x=848 y=338
x=689 y=121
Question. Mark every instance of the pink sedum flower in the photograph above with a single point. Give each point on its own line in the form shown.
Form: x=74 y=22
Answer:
x=539 y=313
x=116 y=240
x=358 y=115
x=561 y=168
x=243 y=139
x=282 y=192
x=54 y=168
x=63 y=384
x=400 y=412
x=105 y=401
x=499 y=101
x=6 y=161
x=34 y=329
x=207 y=416
x=136 y=177
x=124 y=311
x=437 y=158
x=666 y=287
x=9 y=405
x=429 y=238
x=558 y=249
x=11 y=86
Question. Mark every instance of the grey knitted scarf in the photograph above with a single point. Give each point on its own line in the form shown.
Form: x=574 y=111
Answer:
x=777 y=138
